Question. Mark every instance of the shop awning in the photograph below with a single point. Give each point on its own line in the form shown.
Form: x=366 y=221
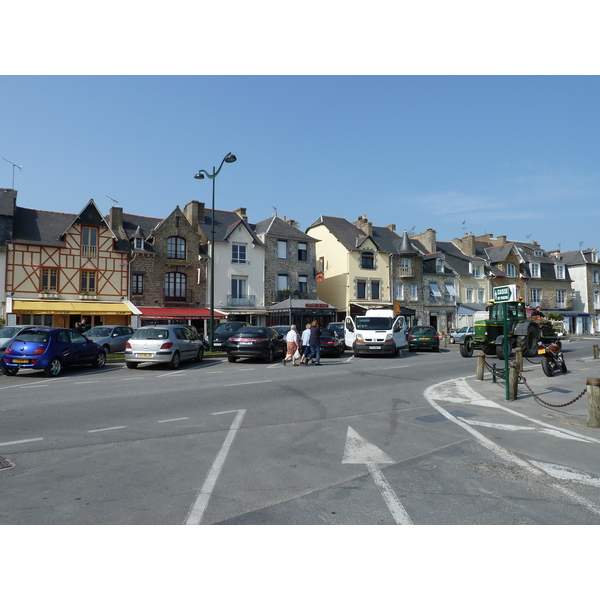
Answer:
x=159 y=312
x=57 y=307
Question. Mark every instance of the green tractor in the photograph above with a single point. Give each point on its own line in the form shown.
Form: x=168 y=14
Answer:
x=523 y=332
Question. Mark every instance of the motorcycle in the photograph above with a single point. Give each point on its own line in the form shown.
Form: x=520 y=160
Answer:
x=552 y=358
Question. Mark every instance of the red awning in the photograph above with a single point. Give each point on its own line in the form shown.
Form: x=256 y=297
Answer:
x=158 y=312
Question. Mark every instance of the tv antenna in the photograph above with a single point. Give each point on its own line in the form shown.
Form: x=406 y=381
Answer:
x=274 y=210
x=113 y=200
x=13 y=165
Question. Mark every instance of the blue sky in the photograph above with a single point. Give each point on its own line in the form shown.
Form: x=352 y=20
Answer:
x=508 y=155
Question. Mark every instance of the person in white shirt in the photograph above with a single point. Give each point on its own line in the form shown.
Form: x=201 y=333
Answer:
x=305 y=344
x=293 y=344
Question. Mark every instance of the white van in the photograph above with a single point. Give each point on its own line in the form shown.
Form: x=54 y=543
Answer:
x=379 y=331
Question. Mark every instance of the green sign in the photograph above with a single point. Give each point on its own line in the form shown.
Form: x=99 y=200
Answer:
x=505 y=293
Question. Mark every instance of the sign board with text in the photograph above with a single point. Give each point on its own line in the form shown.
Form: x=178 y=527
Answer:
x=505 y=293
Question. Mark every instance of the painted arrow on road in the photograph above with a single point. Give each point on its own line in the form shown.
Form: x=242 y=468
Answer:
x=360 y=452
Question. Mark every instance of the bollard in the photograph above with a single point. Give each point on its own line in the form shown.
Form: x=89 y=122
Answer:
x=595 y=347
x=445 y=340
x=519 y=358
x=513 y=380
x=593 y=392
x=480 y=366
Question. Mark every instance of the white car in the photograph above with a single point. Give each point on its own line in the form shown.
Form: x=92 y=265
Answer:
x=7 y=334
x=457 y=337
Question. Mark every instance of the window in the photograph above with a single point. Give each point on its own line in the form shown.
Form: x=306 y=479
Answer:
x=535 y=269
x=367 y=260
x=137 y=284
x=406 y=267
x=538 y=253
x=49 y=280
x=480 y=295
x=283 y=282
x=176 y=248
x=375 y=290
x=399 y=291
x=361 y=289
x=561 y=298
x=302 y=251
x=469 y=294
x=510 y=270
x=282 y=249
x=560 y=271
x=536 y=296
x=596 y=277
x=302 y=283
x=88 y=282
x=175 y=287
x=138 y=243
x=596 y=299
x=477 y=271
x=434 y=290
x=89 y=242
x=238 y=253
x=414 y=291
x=439 y=265
x=238 y=287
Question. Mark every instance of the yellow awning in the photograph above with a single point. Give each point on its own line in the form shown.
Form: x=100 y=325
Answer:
x=54 y=307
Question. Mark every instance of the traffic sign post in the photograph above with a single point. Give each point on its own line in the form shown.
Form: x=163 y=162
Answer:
x=503 y=294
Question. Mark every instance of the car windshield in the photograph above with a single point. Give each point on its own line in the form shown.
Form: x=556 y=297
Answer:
x=41 y=337
x=99 y=332
x=8 y=332
x=150 y=334
x=462 y=330
x=228 y=327
x=373 y=323
x=422 y=330
x=253 y=333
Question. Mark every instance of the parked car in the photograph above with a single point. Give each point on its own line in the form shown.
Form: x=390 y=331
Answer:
x=111 y=337
x=256 y=342
x=339 y=329
x=457 y=337
x=163 y=344
x=7 y=334
x=224 y=331
x=331 y=343
x=50 y=349
x=423 y=337
x=283 y=329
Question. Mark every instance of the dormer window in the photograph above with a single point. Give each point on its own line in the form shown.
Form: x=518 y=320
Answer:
x=439 y=265
x=535 y=269
x=560 y=271
x=138 y=243
x=510 y=270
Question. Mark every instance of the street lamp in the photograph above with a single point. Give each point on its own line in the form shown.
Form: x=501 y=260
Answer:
x=230 y=158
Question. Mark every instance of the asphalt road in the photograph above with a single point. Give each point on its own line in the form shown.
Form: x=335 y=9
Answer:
x=389 y=441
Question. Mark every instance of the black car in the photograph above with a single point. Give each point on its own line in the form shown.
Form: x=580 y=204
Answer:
x=337 y=327
x=224 y=331
x=331 y=344
x=256 y=342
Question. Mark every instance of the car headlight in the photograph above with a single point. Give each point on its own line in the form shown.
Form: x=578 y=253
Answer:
x=389 y=336
x=360 y=337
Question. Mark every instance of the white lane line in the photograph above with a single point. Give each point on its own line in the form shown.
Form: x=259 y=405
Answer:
x=86 y=382
x=107 y=429
x=176 y=419
x=396 y=367
x=21 y=441
x=171 y=375
x=197 y=511
x=248 y=383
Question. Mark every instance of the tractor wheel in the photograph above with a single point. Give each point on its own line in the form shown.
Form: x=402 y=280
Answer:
x=466 y=348
x=529 y=341
x=500 y=351
x=489 y=349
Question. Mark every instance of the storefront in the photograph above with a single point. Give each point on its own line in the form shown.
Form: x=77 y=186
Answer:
x=194 y=317
x=60 y=313
x=300 y=312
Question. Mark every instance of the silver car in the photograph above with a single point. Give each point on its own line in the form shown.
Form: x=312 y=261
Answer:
x=111 y=337
x=166 y=344
x=457 y=337
x=7 y=334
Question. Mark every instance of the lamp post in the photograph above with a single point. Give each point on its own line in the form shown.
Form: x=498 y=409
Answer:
x=230 y=158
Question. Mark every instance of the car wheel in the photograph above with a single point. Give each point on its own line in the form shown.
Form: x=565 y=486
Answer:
x=54 y=368
x=200 y=354
x=10 y=370
x=131 y=365
x=106 y=349
x=100 y=360
x=270 y=356
x=356 y=353
x=232 y=359
x=175 y=361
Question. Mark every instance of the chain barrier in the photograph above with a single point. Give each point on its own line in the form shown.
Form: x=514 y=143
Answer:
x=521 y=378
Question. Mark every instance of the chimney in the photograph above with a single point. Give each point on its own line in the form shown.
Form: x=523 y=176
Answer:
x=428 y=239
x=391 y=227
x=191 y=211
x=241 y=212
x=116 y=218
x=8 y=202
x=466 y=244
x=364 y=224
x=501 y=240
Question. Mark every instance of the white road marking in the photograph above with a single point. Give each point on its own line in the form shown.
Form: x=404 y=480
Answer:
x=176 y=419
x=171 y=375
x=396 y=367
x=197 y=510
x=107 y=429
x=248 y=383
x=360 y=451
x=561 y=472
x=21 y=441
x=86 y=382
x=436 y=392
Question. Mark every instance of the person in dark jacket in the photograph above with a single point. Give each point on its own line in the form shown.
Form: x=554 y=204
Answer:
x=314 y=342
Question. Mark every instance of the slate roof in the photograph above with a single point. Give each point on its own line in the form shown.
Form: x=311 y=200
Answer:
x=277 y=227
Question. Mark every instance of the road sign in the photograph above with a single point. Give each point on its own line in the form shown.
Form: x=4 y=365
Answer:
x=505 y=293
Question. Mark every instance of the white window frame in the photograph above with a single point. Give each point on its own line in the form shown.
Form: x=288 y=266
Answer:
x=536 y=270
x=511 y=270
x=236 y=251
x=535 y=296
x=283 y=282
x=414 y=291
x=282 y=249
x=561 y=298
x=560 y=271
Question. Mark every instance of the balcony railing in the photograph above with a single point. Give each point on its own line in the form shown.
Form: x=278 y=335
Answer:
x=406 y=272
x=183 y=297
x=89 y=251
x=249 y=300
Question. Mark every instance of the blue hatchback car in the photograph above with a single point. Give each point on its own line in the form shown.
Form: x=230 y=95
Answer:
x=50 y=349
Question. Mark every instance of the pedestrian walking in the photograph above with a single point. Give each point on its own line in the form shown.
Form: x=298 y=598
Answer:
x=305 y=343
x=314 y=342
x=293 y=346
